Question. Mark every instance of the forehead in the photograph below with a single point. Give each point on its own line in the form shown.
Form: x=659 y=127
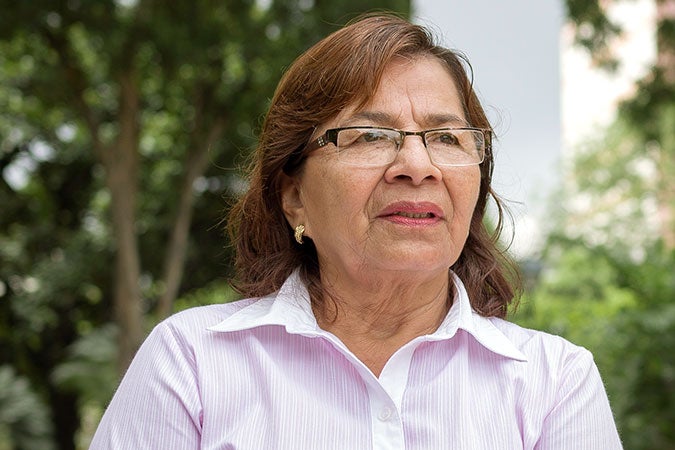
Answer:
x=421 y=88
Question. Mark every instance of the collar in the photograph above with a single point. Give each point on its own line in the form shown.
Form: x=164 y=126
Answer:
x=290 y=307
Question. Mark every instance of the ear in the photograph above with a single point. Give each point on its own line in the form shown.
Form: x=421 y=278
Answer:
x=291 y=201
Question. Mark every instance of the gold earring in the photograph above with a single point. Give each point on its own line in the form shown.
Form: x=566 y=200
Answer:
x=298 y=233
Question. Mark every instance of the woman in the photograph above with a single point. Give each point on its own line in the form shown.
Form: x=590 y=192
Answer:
x=376 y=295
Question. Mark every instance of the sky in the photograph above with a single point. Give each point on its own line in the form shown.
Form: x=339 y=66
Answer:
x=541 y=94
x=513 y=48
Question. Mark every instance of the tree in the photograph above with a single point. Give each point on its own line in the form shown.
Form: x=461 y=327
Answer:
x=21 y=412
x=120 y=125
x=607 y=281
x=648 y=117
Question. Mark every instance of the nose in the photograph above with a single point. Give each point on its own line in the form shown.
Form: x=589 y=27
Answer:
x=413 y=163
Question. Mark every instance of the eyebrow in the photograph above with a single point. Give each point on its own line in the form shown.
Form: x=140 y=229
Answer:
x=386 y=119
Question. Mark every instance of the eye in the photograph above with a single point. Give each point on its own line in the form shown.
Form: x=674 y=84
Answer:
x=446 y=138
x=373 y=136
x=351 y=137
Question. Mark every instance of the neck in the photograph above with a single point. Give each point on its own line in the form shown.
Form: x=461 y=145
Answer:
x=377 y=319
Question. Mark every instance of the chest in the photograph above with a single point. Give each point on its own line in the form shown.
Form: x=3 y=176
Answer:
x=311 y=394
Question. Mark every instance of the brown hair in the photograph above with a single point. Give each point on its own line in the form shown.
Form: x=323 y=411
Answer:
x=342 y=69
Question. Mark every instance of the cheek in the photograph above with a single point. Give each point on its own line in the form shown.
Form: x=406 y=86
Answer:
x=335 y=197
x=464 y=188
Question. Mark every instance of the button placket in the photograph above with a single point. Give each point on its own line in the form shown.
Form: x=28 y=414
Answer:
x=385 y=414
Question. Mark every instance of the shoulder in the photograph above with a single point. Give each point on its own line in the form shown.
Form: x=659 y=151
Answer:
x=556 y=371
x=544 y=351
x=208 y=315
x=193 y=323
x=562 y=388
x=534 y=340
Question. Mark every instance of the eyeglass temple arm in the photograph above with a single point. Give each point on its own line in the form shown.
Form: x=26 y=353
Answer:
x=329 y=137
x=488 y=140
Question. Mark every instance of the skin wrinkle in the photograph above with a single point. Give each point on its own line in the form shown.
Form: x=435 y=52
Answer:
x=381 y=118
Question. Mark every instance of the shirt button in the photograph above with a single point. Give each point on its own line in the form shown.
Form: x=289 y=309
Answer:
x=385 y=414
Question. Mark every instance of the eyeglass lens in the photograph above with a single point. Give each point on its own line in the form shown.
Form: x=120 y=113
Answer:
x=375 y=146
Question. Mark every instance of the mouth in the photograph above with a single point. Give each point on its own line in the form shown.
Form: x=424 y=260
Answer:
x=413 y=212
x=427 y=215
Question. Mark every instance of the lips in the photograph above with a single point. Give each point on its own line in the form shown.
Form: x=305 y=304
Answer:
x=421 y=211
x=415 y=215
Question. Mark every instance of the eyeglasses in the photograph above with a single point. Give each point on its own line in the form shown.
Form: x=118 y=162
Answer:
x=378 y=146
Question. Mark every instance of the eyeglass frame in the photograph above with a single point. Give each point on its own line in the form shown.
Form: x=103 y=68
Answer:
x=330 y=137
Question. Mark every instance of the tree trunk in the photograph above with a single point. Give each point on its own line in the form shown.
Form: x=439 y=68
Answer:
x=174 y=260
x=65 y=417
x=121 y=164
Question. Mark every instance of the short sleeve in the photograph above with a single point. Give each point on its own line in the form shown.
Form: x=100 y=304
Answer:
x=157 y=405
x=581 y=417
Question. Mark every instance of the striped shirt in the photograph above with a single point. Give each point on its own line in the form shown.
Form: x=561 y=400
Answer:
x=260 y=374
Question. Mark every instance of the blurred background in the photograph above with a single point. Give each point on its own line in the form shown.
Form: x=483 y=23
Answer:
x=123 y=124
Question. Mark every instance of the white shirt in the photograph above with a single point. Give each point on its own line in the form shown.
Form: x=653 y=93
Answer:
x=260 y=374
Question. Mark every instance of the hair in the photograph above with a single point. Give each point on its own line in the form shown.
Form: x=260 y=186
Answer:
x=341 y=70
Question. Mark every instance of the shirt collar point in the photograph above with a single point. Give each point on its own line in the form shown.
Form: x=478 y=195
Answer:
x=289 y=307
x=463 y=316
x=485 y=332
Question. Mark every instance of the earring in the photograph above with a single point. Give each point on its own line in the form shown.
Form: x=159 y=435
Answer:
x=298 y=233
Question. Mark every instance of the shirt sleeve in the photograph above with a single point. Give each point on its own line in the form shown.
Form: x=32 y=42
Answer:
x=581 y=417
x=157 y=405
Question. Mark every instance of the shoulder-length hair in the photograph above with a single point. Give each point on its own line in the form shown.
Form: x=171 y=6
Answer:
x=341 y=70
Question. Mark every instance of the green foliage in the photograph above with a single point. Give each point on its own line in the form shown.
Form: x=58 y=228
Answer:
x=214 y=293
x=23 y=417
x=89 y=367
x=616 y=191
x=577 y=296
x=204 y=71
x=594 y=30
x=609 y=266
x=623 y=312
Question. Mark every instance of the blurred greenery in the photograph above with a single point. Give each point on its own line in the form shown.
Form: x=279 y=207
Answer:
x=122 y=125
x=23 y=415
x=623 y=312
x=606 y=276
x=605 y=279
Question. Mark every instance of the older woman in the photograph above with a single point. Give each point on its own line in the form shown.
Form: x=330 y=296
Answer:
x=376 y=295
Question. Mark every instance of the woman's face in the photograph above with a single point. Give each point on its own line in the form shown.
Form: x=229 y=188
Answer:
x=408 y=217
